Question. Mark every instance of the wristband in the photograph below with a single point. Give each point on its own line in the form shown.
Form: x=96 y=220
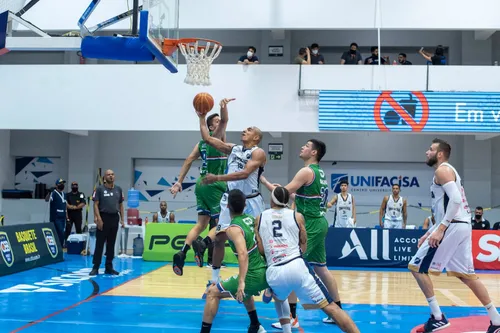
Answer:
x=445 y=223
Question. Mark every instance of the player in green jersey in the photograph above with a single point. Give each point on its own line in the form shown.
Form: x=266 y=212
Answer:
x=207 y=196
x=251 y=279
x=310 y=188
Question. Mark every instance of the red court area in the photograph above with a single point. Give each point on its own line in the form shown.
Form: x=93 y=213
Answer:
x=475 y=324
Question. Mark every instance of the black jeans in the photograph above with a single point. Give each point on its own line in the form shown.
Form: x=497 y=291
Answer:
x=107 y=234
x=75 y=218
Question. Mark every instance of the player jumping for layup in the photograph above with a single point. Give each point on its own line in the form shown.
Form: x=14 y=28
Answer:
x=251 y=279
x=311 y=189
x=207 y=196
x=448 y=243
x=245 y=164
x=282 y=238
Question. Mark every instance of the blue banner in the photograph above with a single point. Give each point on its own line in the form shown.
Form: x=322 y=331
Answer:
x=409 y=111
x=26 y=246
x=365 y=247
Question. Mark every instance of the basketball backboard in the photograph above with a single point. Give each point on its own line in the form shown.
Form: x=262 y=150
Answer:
x=159 y=19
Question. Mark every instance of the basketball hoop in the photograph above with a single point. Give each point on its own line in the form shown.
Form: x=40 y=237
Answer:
x=199 y=54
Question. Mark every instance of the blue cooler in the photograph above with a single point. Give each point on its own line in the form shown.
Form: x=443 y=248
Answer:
x=76 y=243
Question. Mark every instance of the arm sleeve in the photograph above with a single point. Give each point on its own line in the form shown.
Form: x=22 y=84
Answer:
x=455 y=199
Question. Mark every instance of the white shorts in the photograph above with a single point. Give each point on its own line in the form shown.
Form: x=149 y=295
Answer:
x=344 y=223
x=454 y=254
x=254 y=206
x=298 y=276
x=388 y=224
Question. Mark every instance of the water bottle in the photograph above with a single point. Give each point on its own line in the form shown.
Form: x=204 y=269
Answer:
x=133 y=198
x=138 y=246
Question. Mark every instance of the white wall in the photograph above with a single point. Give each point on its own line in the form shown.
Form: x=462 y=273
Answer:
x=116 y=150
x=285 y=14
x=159 y=101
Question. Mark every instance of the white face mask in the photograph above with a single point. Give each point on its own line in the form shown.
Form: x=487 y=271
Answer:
x=315 y=51
x=249 y=54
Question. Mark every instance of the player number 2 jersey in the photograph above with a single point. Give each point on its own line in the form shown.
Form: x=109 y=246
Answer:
x=247 y=224
x=279 y=232
x=311 y=199
x=439 y=200
x=236 y=162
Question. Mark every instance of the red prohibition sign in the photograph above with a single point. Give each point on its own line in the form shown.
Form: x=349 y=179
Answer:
x=386 y=97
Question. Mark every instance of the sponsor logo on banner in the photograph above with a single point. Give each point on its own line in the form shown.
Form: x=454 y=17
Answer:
x=6 y=249
x=62 y=281
x=397 y=249
x=373 y=183
x=50 y=241
x=489 y=248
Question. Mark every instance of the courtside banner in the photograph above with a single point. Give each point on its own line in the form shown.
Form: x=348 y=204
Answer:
x=486 y=249
x=27 y=246
x=365 y=247
x=163 y=240
x=409 y=111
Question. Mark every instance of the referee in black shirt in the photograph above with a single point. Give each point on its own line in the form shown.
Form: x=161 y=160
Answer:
x=108 y=202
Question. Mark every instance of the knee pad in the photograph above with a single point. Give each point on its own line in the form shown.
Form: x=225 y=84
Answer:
x=282 y=309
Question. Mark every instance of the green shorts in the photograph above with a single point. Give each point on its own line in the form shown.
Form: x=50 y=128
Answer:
x=255 y=282
x=208 y=198
x=317 y=229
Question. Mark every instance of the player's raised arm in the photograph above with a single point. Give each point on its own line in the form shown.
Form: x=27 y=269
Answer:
x=214 y=142
x=220 y=132
x=303 y=177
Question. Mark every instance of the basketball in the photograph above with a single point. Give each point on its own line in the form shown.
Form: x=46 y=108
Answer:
x=203 y=103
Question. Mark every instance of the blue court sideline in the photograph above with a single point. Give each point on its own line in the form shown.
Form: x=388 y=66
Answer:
x=62 y=298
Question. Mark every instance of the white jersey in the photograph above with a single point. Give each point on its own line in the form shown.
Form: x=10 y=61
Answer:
x=236 y=162
x=343 y=210
x=279 y=232
x=394 y=210
x=165 y=219
x=439 y=200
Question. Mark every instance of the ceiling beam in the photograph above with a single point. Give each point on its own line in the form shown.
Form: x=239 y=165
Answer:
x=486 y=136
x=79 y=133
x=483 y=34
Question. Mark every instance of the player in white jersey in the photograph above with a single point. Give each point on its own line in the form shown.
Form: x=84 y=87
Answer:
x=282 y=238
x=429 y=222
x=245 y=164
x=164 y=216
x=345 y=209
x=393 y=213
x=448 y=244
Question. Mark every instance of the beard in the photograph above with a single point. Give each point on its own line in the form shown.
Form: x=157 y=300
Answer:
x=432 y=161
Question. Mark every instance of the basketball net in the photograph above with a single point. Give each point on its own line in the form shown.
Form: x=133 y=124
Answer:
x=198 y=59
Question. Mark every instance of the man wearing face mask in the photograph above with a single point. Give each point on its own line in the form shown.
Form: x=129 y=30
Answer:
x=58 y=212
x=352 y=57
x=75 y=204
x=316 y=57
x=478 y=222
x=250 y=58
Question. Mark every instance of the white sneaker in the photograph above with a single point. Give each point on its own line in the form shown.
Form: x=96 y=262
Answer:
x=293 y=321
x=329 y=320
x=261 y=330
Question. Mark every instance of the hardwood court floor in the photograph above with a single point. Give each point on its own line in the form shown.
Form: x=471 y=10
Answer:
x=148 y=297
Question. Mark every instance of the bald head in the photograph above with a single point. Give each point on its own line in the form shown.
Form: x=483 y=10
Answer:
x=109 y=176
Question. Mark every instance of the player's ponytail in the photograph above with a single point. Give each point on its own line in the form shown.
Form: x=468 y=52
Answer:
x=280 y=196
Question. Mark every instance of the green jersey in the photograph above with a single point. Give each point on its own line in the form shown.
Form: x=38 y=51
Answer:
x=311 y=199
x=247 y=224
x=213 y=161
